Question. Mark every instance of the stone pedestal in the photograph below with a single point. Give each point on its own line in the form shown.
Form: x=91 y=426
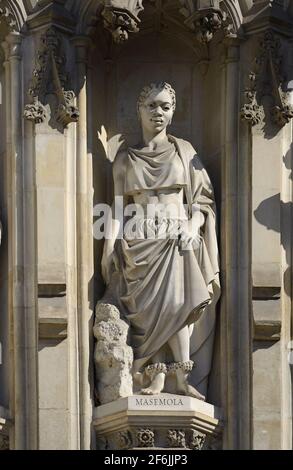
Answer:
x=162 y=421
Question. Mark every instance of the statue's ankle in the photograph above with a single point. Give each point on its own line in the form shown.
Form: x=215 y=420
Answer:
x=181 y=370
x=156 y=374
x=153 y=370
x=181 y=367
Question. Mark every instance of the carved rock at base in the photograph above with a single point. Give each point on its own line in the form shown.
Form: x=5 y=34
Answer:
x=113 y=357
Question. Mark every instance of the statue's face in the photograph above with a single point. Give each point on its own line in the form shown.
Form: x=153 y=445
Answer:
x=157 y=111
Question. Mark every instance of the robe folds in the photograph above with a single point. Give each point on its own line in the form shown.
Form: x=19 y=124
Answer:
x=159 y=287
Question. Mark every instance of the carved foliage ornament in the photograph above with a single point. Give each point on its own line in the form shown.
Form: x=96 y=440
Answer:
x=121 y=18
x=266 y=79
x=145 y=437
x=176 y=438
x=7 y=16
x=50 y=77
x=124 y=440
x=197 y=440
x=35 y=112
x=4 y=442
x=136 y=437
x=205 y=18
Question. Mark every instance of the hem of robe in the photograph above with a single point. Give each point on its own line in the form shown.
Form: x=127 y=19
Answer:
x=194 y=315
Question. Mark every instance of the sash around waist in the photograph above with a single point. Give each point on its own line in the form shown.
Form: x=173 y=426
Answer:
x=153 y=227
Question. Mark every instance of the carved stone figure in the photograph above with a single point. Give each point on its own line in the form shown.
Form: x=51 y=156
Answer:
x=163 y=272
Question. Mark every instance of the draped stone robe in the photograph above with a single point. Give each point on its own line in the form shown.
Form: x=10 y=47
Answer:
x=158 y=287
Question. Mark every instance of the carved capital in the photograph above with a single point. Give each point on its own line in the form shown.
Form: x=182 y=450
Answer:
x=5 y=47
x=14 y=41
x=121 y=18
x=81 y=44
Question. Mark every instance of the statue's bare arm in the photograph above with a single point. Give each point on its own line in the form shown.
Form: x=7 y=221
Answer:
x=108 y=258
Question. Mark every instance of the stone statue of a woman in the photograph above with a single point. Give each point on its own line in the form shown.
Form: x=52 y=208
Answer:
x=165 y=278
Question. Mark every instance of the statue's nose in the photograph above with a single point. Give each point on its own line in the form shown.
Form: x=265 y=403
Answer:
x=158 y=112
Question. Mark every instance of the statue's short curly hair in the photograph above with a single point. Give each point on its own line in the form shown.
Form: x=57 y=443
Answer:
x=147 y=90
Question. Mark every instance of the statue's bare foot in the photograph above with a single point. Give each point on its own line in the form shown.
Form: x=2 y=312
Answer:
x=182 y=370
x=190 y=391
x=156 y=386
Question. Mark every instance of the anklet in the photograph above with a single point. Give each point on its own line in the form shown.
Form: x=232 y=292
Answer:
x=156 y=368
x=186 y=366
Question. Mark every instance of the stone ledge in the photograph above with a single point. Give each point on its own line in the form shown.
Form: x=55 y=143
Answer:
x=267 y=330
x=53 y=328
x=159 y=421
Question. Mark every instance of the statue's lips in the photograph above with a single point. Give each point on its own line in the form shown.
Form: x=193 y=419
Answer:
x=157 y=121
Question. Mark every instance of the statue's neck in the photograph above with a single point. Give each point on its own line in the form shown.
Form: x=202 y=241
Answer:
x=154 y=142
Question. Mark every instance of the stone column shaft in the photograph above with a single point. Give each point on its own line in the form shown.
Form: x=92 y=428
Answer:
x=83 y=222
x=236 y=311
x=22 y=262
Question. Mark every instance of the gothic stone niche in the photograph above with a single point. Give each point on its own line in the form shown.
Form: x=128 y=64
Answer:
x=138 y=287
x=50 y=77
x=144 y=324
x=266 y=78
